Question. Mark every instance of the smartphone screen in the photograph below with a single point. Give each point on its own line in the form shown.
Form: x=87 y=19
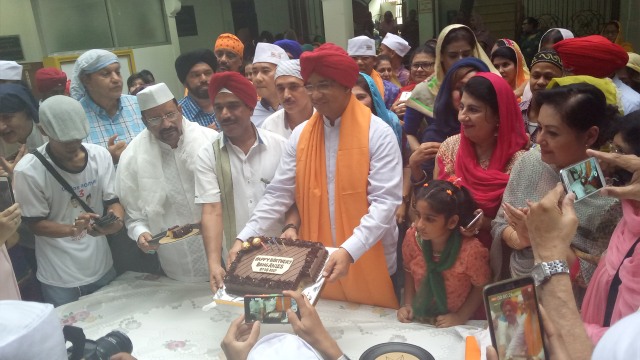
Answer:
x=269 y=309
x=6 y=194
x=583 y=179
x=514 y=321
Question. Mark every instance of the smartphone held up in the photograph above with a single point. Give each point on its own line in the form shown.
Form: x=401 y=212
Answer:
x=583 y=179
x=515 y=324
x=269 y=309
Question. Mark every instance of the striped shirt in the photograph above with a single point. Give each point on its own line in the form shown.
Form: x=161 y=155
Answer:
x=194 y=113
x=126 y=123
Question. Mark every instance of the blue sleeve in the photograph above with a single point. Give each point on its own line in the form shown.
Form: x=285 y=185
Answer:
x=412 y=120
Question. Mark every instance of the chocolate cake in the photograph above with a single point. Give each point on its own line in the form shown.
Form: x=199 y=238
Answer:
x=300 y=261
x=181 y=231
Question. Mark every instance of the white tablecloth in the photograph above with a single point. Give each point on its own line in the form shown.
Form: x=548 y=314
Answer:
x=164 y=320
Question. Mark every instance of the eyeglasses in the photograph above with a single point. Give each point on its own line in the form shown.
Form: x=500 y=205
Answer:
x=427 y=65
x=155 y=121
x=321 y=87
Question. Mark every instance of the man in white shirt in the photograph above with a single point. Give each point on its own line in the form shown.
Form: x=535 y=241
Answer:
x=155 y=182
x=293 y=97
x=343 y=170
x=265 y=62
x=72 y=252
x=233 y=172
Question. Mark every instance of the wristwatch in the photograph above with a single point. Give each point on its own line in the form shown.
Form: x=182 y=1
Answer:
x=290 y=226
x=543 y=271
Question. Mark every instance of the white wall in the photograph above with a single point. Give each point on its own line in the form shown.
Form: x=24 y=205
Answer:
x=213 y=17
x=16 y=18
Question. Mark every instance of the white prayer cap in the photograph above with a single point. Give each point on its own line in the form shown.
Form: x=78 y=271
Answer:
x=361 y=46
x=63 y=119
x=22 y=323
x=10 y=70
x=283 y=347
x=154 y=95
x=269 y=53
x=89 y=62
x=289 y=68
x=397 y=44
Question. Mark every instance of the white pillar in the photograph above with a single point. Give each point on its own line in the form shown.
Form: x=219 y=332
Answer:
x=426 y=19
x=338 y=21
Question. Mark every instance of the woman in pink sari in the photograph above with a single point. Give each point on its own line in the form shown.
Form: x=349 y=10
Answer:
x=605 y=303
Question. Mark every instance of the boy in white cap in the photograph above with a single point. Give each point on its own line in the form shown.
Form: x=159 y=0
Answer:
x=294 y=98
x=363 y=50
x=396 y=48
x=155 y=182
x=10 y=72
x=71 y=250
x=265 y=62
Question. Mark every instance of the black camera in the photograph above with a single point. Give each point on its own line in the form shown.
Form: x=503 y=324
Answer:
x=101 y=349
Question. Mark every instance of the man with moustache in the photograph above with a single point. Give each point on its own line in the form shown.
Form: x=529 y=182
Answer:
x=194 y=70
x=229 y=51
x=96 y=82
x=265 y=62
x=343 y=170
x=232 y=173
x=293 y=97
x=155 y=182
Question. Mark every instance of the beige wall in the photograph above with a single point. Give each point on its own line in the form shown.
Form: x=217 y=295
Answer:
x=16 y=18
x=273 y=15
x=629 y=11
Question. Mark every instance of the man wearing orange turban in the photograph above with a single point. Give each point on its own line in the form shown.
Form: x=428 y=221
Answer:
x=343 y=170
x=229 y=51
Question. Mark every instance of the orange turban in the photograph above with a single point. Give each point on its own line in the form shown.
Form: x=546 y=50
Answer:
x=332 y=62
x=591 y=55
x=237 y=84
x=231 y=42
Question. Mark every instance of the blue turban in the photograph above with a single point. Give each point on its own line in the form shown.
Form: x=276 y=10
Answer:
x=290 y=46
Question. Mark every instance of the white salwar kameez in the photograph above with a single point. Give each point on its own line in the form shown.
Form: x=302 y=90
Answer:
x=156 y=186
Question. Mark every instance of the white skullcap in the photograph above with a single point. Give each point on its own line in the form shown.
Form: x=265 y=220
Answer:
x=269 y=53
x=63 y=119
x=289 y=68
x=10 y=70
x=88 y=63
x=361 y=46
x=154 y=95
x=283 y=347
x=397 y=44
x=22 y=323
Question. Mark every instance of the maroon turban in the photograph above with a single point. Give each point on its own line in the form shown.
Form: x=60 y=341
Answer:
x=237 y=84
x=332 y=62
x=591 y=55
x=48 y=78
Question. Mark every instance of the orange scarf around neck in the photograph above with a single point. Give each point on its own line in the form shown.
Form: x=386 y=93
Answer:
x=378 y=80
x=368 y=281
x=532 y=335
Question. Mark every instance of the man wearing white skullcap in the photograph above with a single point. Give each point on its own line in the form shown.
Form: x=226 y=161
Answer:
x=396 y=48
x=362 y=49
x=10 y=72
x=96 y=82
x=265 y=62
x=294 y=98
x=72 y=251
x=155 y=182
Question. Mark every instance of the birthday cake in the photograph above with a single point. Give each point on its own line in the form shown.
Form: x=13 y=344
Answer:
x=271 y=265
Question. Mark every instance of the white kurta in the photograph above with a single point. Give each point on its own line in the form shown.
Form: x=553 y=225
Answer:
x=384 y=190
x=276 y=123
x=251 y=173
x=173 y=174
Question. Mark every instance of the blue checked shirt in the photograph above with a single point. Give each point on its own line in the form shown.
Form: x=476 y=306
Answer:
x=194 y=113
x=126 y=123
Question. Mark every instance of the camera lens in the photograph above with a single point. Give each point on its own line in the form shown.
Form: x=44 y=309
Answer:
x=113 y=343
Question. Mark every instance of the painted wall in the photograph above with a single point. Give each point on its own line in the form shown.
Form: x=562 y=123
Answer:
x=16 y=18
x=273 y=15
x=213 y=17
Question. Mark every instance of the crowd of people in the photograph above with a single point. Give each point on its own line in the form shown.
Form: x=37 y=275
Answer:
x=432 y=181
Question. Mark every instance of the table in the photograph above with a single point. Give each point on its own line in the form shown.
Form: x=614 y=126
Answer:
x=165 y=320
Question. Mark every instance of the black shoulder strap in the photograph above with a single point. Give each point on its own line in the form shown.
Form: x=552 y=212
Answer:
x=61 y=180
x=615 y=285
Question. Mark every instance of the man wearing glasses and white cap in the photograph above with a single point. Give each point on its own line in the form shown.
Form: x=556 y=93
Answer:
x=396 y=48
x=265 y=62
x=156 y=184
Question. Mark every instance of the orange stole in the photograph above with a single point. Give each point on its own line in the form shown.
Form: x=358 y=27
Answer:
x=378 y=80
x=368 y=281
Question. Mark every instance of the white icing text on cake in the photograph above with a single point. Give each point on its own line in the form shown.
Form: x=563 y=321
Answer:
x=271 y=264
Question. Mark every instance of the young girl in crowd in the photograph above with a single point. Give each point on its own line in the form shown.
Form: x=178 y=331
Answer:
x=444 y=271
